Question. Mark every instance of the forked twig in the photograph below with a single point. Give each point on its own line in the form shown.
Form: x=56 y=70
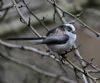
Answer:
x=42 y=23
x=24 y=19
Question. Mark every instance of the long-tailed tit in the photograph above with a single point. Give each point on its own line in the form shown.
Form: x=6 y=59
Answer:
x=59 y=39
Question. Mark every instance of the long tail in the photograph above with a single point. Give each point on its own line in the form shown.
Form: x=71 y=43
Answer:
x=24 y=38
x=36 y=40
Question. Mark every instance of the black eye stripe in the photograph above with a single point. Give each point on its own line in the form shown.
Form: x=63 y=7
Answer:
x=69 y=28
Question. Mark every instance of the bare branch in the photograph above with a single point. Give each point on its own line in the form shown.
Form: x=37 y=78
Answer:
x=6 y=7
x=23 y=48
x=35 y=68
x=42 y=23
x=60 y=12
x=24 y=19
x=4 y=15
x=27 y=48
x=85 y=76
x=75 y=17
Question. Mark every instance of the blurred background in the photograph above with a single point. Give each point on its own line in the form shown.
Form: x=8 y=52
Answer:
x=11 y=26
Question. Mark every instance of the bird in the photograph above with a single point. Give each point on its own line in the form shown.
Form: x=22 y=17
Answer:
x=60 y=39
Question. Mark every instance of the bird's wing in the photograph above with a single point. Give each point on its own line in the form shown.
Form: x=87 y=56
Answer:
x=56 y=31
x=56 y=39
x=51 y=31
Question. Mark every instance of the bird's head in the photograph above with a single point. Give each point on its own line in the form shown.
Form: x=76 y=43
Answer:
x=70 y=28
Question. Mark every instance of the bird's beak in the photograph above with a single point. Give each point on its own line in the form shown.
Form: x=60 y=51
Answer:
x=74 y=32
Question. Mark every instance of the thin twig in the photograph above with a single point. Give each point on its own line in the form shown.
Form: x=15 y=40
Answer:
x=23 y=48
x=4 y=15
x=75 y=17
x=42 y=23
x=27 y=48
x=44 y=53
x=35 y=68
x=76 y=51
x=6 y=7
x=24 y=19
x=93 y=66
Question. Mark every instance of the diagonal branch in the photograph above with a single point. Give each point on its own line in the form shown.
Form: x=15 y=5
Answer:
x=27 y=48
x=84 y=75
x=24 y=19
x=6 y=7
x=75 y=17
x=35 y=68
x=42 y=23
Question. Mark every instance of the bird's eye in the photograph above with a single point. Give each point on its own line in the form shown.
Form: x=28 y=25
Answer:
x=69 y=28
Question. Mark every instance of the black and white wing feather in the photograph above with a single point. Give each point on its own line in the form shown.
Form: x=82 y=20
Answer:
x=55 y=40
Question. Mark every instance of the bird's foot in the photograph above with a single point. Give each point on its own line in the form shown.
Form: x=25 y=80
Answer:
x=72 y=49
x=50 y=52
x=62 y=58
